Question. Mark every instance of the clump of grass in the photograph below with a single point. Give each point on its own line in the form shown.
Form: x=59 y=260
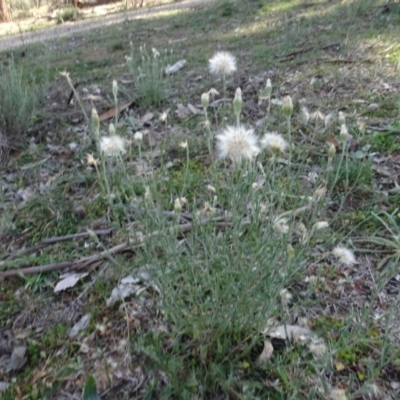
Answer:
x=68 y=14
x=19 y=99
x=148 y=74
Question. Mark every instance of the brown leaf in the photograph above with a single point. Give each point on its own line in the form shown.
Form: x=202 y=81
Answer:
x=111 y=112
x=332 y=140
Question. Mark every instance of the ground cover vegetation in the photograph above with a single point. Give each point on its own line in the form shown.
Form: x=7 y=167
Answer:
x=204 y=205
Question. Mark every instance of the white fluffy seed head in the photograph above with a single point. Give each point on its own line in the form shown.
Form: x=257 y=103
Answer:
x=344 y=255
x=237 y=143
x=274 y=143
x=222 y=63
x=112 y=145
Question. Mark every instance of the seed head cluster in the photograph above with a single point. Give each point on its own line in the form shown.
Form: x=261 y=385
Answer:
x=112 y=145
x=274 y=143
x=237 y=143
x=344 y=255
x=222 y=63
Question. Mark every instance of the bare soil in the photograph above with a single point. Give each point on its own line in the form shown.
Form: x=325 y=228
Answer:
x=71 y=28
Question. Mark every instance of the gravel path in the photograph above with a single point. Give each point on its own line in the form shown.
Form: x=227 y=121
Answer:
x=68 y=29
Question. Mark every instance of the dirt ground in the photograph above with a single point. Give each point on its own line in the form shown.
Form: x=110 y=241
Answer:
x=71 y=28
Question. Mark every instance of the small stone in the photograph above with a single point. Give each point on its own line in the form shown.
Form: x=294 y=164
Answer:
x=373 y=107
x=18 y=358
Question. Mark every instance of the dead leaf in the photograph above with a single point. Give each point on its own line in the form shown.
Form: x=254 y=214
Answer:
x=194 y=110
x=266 y=353
x=290 y=332
x=80 y=326
x=182 y=112
x=172 y=69
x=127 y=287
x=69 y=280
x=111 y=112
x=18 y=358
x=146 y=118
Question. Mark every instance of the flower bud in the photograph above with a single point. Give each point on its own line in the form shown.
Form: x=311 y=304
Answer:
x=331 y=150
x=290 y=251
x=177 y=206
x=205 y=100
x=95 y=120
x=147 y=194
x=287 y=106
x=268 y=87
x=115 y=89
x=265 y=93
x=304 y=115
x=329 y=120
x=138 y=137
x=237 y=102
x=342 y=119
x=111 y=129
x=344 y=133
x=179 y=203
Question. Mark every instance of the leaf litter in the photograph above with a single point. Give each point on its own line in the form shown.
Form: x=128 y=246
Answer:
x=349 y=286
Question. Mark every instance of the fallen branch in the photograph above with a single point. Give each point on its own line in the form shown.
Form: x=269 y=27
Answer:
x=49 y=241
x=290 y=56
x=88 y=260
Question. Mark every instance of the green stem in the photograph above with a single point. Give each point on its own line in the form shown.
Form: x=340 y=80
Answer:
x=289 y=128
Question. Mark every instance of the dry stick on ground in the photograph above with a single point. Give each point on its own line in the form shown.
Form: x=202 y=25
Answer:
x=86 y=261
x=307 y=50
x=47 y=242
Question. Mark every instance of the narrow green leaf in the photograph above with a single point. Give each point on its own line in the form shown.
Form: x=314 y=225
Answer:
x=90 y=391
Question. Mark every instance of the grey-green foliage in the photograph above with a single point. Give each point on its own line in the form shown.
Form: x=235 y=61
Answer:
x=148 y=75
x=18 y=101
x=68 y=14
